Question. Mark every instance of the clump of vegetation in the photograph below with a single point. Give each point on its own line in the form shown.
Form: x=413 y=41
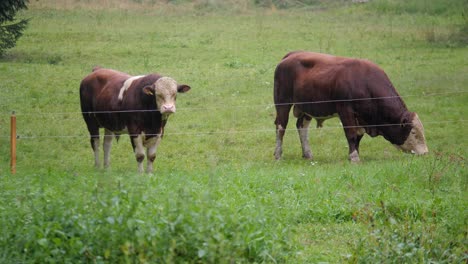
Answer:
x=458 y=9
x=404 y=240
x=126 y=226
x=433 y=7
x=10 y=29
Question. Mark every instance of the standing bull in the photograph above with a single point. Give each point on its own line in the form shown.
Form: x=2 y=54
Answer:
x=120 y=103
x=322 y=86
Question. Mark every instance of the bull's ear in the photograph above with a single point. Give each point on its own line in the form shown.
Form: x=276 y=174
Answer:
x=183 y=88
x=148 y=90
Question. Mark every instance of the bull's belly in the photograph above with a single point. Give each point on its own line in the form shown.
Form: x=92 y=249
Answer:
x=111 y=123
x=321 y=113
x=119 y=131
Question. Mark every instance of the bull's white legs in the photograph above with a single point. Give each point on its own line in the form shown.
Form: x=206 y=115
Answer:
x=139 y=151
x=139 y=145
x=108 y=135
x=354 y=157
x=151 y=147
x=279 y=141
x=303 y=131
x=95 y=145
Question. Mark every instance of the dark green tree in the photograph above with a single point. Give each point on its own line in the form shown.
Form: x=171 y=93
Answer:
x=10 y=28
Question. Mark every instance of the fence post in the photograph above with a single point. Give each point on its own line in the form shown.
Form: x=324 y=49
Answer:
x=13 y=143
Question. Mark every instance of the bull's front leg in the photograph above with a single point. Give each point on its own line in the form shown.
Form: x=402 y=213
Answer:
x=151 y=147
x=353 y=143
x=352 y=131
x=137 y=142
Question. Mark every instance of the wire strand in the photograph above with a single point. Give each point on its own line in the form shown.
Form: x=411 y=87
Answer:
x=246 y=106
x=230 y=132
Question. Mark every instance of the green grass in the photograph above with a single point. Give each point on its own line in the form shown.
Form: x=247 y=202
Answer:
x=217 y=195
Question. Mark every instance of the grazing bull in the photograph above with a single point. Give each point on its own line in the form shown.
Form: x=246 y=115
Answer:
x=120 y=103
x=322 y=86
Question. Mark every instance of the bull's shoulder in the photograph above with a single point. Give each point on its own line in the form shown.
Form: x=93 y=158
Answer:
x=133 y=87
x=148 y=79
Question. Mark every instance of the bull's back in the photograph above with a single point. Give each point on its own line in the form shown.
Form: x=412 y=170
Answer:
x=99 y=99
x=313 y=81
x=100 y=87
x=306 y=76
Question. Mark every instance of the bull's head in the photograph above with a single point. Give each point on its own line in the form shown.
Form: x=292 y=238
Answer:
x=416 y=142
x=165 y=91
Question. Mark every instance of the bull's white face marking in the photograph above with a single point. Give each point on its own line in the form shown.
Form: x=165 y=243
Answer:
x=127 y=84
x=416 y=142
x=166 y=93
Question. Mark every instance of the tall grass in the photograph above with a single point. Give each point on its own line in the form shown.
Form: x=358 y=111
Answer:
x=432 y=7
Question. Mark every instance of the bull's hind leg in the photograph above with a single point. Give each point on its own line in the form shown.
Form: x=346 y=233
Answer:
x=108 y=135
x=281 y=122
x=302 y=125
x=93 y=129
x=95 y=145
x=151 y=147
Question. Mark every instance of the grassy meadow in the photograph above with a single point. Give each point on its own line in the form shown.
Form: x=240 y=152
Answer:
x=217 y=194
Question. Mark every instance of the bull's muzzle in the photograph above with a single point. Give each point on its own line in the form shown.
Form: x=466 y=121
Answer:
x=420 y=150
x=416 y=141
x=168 y=109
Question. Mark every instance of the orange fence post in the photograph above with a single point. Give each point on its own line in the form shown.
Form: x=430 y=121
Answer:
x=13 y=143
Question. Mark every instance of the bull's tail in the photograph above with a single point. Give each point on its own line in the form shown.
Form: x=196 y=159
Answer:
x=283 y=85
x=283 y=93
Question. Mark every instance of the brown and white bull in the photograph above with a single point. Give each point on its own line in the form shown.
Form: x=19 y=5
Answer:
x=322 y=86
x=120 y=103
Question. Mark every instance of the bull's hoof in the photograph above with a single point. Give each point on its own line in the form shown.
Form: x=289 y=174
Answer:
x=354 y=157
x=307 y=156
x=278 y=155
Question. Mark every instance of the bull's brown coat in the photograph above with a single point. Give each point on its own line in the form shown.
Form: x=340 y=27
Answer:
x=358 y=91
x=136 y=112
